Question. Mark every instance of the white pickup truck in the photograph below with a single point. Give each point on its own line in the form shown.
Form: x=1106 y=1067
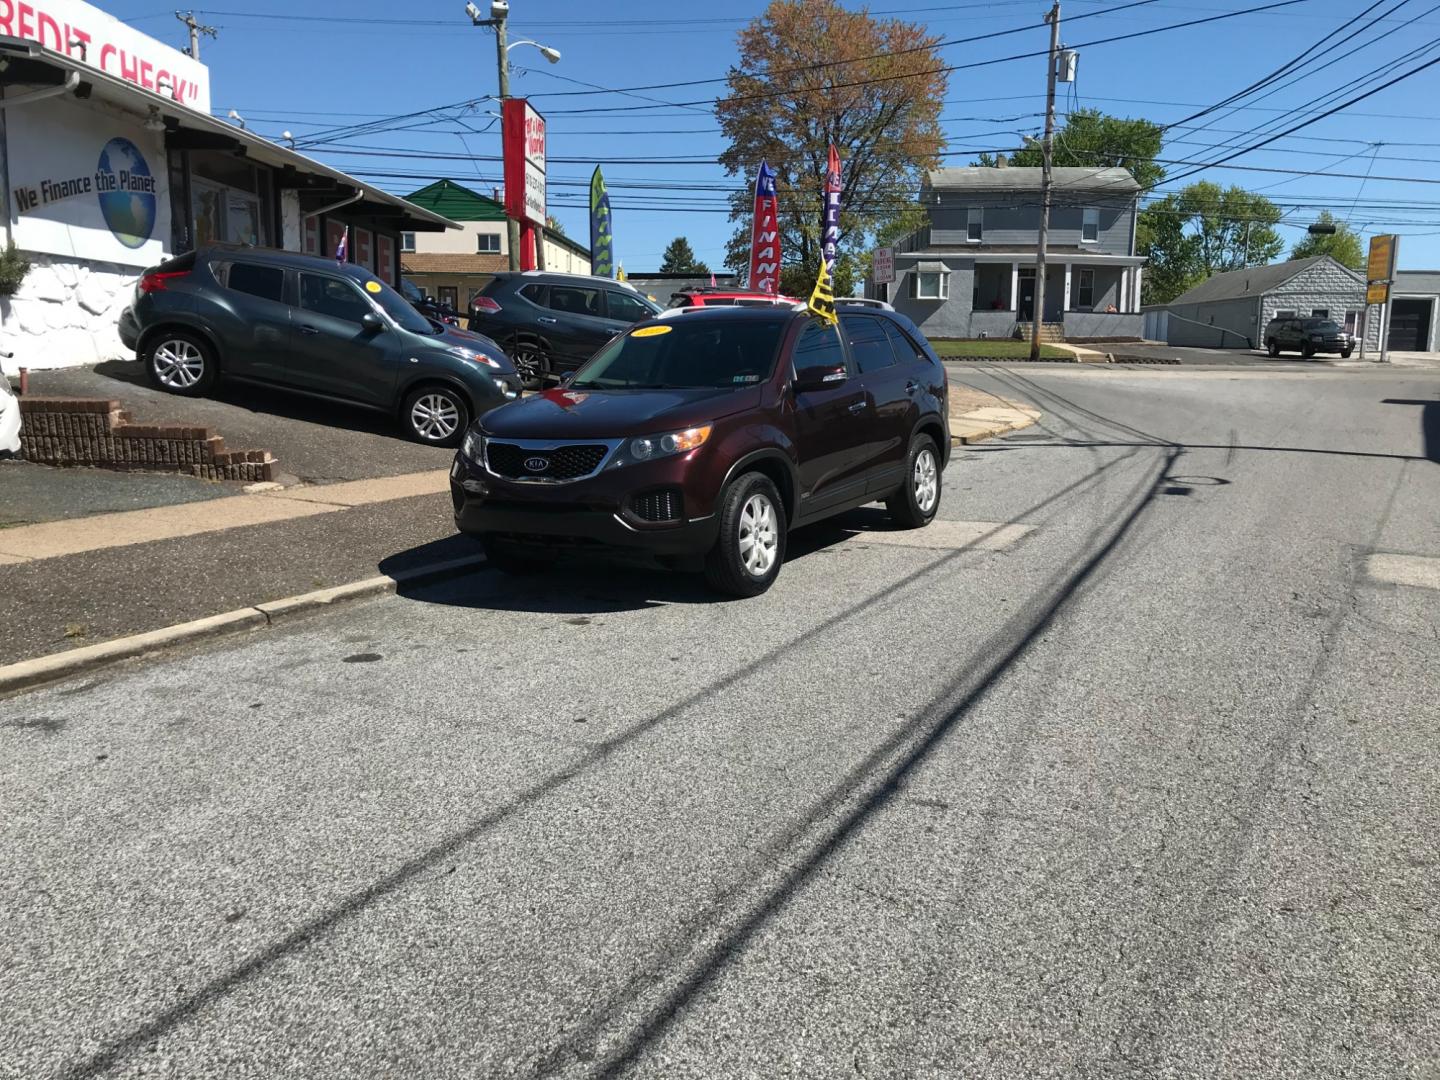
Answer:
x=9 y=417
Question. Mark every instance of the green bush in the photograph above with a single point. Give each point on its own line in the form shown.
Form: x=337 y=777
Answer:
x=13 y=268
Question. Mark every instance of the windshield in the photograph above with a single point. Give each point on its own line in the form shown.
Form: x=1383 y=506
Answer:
x=686 y=354
x=400 y=310
x=1325 y=327
x=411 y=290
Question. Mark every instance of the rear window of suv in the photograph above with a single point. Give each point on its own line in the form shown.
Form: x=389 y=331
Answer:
x=687 y=354
x=266 y=282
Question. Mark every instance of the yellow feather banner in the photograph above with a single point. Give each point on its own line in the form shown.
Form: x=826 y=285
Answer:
x=822 y=300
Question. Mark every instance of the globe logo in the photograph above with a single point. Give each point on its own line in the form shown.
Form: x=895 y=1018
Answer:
x=127 y=192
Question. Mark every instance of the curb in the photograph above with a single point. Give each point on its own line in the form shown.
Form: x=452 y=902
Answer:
x=44 y=669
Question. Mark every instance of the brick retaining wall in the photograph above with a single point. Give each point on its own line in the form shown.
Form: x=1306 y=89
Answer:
x=96 y=432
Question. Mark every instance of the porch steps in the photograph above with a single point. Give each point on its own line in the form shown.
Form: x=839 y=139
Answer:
x=1052 y=332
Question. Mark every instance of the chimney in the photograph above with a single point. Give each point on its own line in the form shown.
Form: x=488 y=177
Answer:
x=1001 y=161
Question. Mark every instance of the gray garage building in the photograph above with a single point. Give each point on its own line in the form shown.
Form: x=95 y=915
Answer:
x=1229 y=311
x=1413 y=311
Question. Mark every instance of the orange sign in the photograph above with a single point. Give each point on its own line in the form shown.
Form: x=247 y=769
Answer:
x=1381 y=264
x=1377 y=294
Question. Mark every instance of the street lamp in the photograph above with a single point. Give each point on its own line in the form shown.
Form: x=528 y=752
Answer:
x=499 y=12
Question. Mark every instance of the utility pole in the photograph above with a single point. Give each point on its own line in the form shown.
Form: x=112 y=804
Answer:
x=1046 y=152
x=196 y=29
x=502 y=58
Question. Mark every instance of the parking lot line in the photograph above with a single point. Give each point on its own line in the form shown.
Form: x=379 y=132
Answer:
x=1419 y=571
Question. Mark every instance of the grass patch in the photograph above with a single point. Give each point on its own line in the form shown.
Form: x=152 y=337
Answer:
x=995 y=347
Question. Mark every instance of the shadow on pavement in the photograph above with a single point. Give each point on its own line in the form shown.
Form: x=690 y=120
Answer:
x=676 y=973
x=595 y=583
x=1429 y=423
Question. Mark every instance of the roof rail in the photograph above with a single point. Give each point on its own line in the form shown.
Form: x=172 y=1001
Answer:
x=862 y=301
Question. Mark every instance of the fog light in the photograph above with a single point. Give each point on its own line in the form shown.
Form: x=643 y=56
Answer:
x=474 y=487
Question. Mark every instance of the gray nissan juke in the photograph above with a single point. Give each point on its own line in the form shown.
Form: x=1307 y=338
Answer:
x=311 y=326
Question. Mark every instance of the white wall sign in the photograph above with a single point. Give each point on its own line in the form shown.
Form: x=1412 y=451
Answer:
x=104 y=42
x=88 y=183
x=883 y=265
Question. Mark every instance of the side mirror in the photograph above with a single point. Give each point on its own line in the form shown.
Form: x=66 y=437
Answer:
x=372 y=323
x=820 y=377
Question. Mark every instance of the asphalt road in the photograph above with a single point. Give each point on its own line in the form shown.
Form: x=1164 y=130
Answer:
x=1139 y=779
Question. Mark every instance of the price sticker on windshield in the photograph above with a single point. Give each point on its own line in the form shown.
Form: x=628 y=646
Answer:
x=372 y=286
x=651 y=331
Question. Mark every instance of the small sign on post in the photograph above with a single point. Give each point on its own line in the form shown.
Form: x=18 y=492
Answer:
x=882 y=264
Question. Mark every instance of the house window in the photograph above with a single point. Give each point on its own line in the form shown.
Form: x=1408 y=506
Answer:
x=1320 y=313
x=488 y=243
x=975 y=229
x=1085 y=291
x=1090 y=226
x=1352 y=319
x=1285 y=314
x=927 y=284
x=407 y=241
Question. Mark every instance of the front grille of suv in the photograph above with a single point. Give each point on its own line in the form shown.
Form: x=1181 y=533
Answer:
x=664 y=505
x=561 y=462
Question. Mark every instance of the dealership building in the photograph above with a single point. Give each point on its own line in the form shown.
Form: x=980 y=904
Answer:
x=111 y=162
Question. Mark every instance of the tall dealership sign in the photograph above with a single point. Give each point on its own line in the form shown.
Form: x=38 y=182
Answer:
x=765 y=234
x=602 y=240
x=94 y=39
x=523 y=138
x=1379 y=276
x=832 y=205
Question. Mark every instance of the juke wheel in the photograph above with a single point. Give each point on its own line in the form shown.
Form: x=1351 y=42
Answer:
x=914 y=505
x=180 y=363
x=747 y=555
x=435 y=415
x=1273 y=349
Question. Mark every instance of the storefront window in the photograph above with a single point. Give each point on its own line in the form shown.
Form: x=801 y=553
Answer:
x=230 y=199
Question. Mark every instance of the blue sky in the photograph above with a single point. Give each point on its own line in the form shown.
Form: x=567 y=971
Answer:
x=304 y=67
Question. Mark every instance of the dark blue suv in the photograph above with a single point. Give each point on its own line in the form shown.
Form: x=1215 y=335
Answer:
x=312 y=326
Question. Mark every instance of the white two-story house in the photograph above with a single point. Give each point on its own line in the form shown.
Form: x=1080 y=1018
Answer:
x=970 y=273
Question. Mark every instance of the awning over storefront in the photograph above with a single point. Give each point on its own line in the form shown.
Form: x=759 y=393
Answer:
x=32 y=66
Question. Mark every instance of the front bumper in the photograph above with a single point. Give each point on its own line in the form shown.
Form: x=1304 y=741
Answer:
x=596 y=512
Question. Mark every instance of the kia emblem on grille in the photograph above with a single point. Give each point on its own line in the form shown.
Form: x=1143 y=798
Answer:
x=537 y=464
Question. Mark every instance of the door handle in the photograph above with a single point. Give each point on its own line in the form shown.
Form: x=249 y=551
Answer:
x=859 y=406
x=546 y=319
x=911 y=386
x=308 y=330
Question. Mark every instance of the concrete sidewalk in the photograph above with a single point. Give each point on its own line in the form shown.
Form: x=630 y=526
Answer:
x=976 y=415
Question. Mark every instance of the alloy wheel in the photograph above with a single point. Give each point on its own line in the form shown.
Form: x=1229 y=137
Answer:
x=434 y=417
x=759 y=538
x=926 y=480
x=529 y=363
x=178 y=363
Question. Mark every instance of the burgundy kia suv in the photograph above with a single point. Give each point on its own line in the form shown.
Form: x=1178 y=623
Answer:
x=704 y=436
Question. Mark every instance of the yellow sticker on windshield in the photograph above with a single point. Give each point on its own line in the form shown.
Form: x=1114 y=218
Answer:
x=372 y=286
x=651 y=331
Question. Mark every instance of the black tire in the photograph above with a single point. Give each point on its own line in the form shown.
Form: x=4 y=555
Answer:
x=180 y=362
x=915 y=502
x=1307 y=351
x=435 y=415
x=1272 y=348
x=531 y=361
x=733 y=568
x=514 y=559
x=1345 y=353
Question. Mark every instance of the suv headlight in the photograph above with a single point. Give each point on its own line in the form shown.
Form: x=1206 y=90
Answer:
x=474 y=446
x=650 y=447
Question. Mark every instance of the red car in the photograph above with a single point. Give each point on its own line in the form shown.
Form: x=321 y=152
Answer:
x=719 y=296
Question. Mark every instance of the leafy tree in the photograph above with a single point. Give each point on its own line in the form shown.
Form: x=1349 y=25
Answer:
x=1095 y=139
x=812 y=72
x=1343 y=245
x=1202 y=230
x=554 y=226
x=680 y=259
